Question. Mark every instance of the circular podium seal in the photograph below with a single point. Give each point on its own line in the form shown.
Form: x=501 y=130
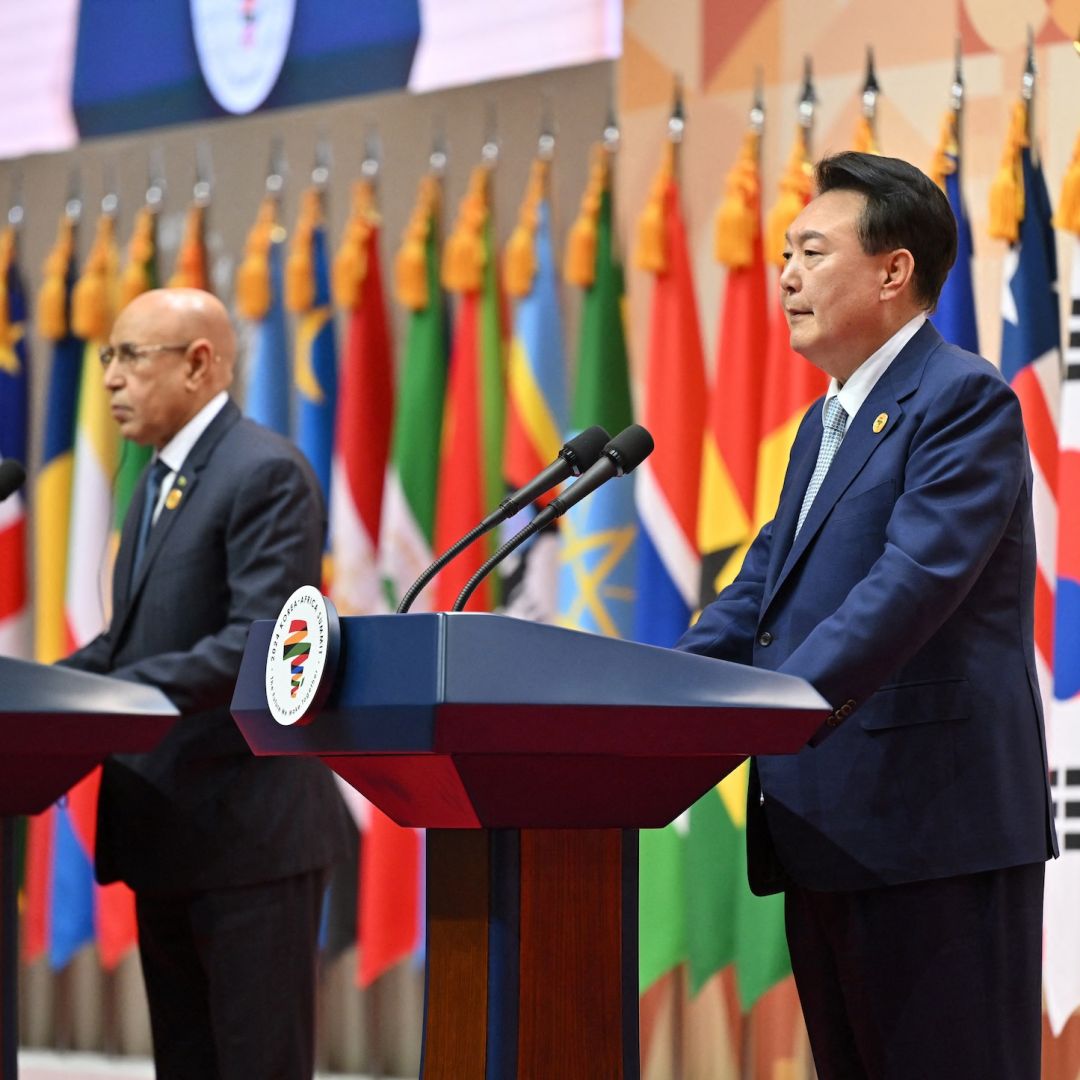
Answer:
x=302 y=659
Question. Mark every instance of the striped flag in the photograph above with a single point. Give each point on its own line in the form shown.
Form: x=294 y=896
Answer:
x=668 y=489
x=307 y=294
x=407 y=525
x=1031 y=362
x=391 y=857
x=724 y=922
x=598 y=537
x=14 y=419
x=470 y=469
x=955 y=313
x=52 y=498
x=1061 y=969
x=365 y=409
x=536 y=383
x=260 y=300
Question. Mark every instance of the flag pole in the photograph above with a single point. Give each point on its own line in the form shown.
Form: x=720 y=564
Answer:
x=807 y=103
x=1027 y=93
x=870 y=93
x=957 y=101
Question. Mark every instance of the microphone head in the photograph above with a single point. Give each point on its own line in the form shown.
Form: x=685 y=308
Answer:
x=12 y=475
x=584 y=449
x=630 y=448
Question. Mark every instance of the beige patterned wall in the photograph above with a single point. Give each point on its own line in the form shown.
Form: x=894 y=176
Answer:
x=716 y=46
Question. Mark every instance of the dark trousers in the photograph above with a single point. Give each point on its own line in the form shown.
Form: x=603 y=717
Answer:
x=231 y=978
x=936 y=980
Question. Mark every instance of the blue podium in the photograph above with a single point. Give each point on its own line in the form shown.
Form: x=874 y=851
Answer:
x=532 y=755
x=57 y=724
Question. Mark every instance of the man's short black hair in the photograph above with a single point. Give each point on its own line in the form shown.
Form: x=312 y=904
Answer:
x=904 y=209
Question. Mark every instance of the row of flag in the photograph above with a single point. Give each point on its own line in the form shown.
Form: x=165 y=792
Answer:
x=409 y=464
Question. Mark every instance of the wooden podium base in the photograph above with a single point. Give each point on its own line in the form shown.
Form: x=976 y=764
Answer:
x=531 y=955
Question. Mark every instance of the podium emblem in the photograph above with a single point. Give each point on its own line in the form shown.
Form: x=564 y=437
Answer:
x=302 y=658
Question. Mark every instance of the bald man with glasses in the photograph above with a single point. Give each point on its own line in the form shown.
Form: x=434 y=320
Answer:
x=227 y=854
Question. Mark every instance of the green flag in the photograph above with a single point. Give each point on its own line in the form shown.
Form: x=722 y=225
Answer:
x=407 y=525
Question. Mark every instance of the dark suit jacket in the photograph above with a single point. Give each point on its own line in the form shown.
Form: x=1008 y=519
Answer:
x=200 y=811
x=907 y=601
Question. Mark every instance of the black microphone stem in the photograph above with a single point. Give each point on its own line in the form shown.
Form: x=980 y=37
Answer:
x=512 y=544
x=439 y=563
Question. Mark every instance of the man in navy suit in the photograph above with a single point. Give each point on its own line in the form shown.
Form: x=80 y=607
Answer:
x=227 y=853
x=898 y=578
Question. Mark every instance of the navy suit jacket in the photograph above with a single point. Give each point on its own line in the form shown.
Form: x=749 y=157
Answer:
x=907 y=602
x=200 y=811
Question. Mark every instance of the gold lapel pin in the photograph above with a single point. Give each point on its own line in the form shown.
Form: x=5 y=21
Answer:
x=880 y=422
x=172 y=500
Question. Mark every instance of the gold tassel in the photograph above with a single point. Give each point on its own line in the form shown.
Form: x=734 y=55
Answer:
x=464 y=257
x=795 y=192
x=92 y=299
x=865 y=141
x=1007 y=188
x=7 y=254
x=944 y=163
x=1068 y=211
x=410 y=265
x=190 y=270
x=579 y=262
x=737 y=217
x=651 y=250
x=351 y=261
x=519 y=266
x=300 y=266
x=52 y=296
x=253 y=275
x=133 y=281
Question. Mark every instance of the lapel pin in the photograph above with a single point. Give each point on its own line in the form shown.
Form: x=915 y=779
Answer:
x=172 y=500
x=880 y=422
x=181 y=480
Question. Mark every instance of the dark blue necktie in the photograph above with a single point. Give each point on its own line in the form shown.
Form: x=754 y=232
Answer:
x=158 y=471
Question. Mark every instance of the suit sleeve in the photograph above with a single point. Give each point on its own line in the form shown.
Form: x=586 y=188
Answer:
x=725 y=630
x=93 y=656
x=273 y=540
x=965 y=472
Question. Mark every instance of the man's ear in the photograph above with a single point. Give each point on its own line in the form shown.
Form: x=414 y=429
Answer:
x=899 y=273
x=200 y=359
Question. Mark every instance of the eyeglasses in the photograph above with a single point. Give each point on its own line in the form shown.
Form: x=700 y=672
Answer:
x=129 y=355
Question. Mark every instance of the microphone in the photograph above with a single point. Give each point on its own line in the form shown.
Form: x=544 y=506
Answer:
x=576 y=456
x=622 y=455
x=12 y=477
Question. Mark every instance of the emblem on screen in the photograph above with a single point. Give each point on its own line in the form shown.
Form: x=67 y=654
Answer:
x=302 y=657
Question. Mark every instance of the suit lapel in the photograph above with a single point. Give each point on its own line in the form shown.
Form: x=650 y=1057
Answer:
x=861 y=441
x=176 y=502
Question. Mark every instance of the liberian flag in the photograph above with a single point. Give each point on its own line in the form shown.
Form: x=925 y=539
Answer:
x=1031 y=362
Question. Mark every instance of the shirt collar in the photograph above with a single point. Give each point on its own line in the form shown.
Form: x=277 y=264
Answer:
x=864 y=378
x=174 y=453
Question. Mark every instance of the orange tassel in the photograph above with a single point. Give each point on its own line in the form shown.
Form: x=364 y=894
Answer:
x=865 y=141
x=944 y=163
x=737 y=218
x=300 y=266
x=190 y=270
x=464 y=257
x=351 y=261
x=52 y=317
x=253 y=295
x=1007 y=188
x=1068 y=212
x=7 y=254
x=410 y=265
x=134 y=281
x=93 y=298
x=651 y=250
x=519 y=266
x=795 y=192
x=579 y=262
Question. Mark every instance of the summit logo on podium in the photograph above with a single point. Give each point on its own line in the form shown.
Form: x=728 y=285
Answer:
x=302 y=657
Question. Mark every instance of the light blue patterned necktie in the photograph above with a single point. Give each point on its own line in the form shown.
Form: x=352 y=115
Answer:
x=831 y=437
